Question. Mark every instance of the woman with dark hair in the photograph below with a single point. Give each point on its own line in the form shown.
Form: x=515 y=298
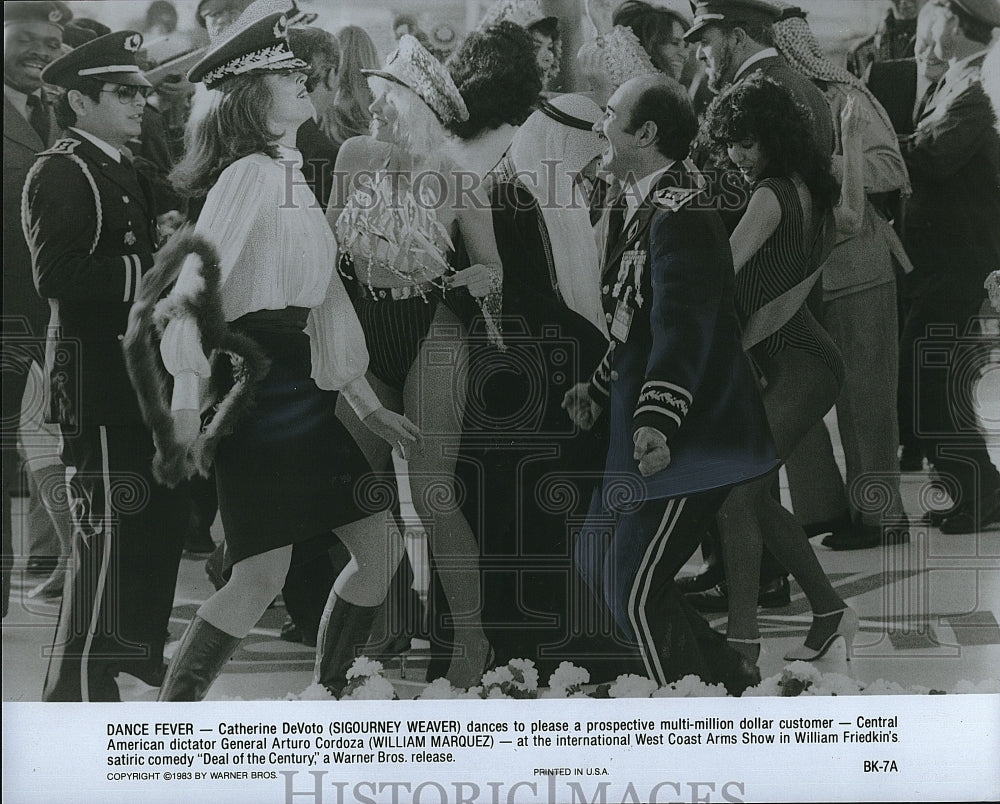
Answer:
x=496 y=73
x=661 y=32
x=535 y=468
x=397 y=214
x=543 y=30
x=350 y=116
x=289 y=472
x=777 y=247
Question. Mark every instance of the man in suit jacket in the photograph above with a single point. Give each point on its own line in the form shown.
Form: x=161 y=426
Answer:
x=685 y=416
x=952 y=237
x=32 y=40
x=89 y=225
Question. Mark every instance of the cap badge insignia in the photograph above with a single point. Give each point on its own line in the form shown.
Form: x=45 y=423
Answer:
x=133 y=43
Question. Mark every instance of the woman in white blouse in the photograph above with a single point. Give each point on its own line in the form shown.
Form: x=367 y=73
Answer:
x=289 y=473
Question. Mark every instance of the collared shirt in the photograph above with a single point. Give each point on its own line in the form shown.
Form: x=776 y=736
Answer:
x=110 y=150
x=766 y=53
x=949 y=82
x=19 y=99
x=636 y=194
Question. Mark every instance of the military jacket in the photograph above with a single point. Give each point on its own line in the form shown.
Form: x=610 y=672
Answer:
x=89 y=223
x=675 y=361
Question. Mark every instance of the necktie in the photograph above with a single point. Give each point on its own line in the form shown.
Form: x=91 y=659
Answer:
x=616 y=223
x=925 y=101
x=38 y=117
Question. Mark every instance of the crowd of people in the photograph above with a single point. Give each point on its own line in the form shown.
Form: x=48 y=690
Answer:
x=592 y=326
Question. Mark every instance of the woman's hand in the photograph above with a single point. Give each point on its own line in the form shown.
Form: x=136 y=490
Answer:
x=187 y=425
x=394 y=429
x=480 y=280
x=854 y=121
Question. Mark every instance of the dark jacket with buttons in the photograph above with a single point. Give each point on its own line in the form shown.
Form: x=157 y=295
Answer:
x=680 y=367
x=89 y=222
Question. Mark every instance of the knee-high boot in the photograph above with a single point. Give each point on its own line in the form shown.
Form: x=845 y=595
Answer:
x=343 y=630
x=202 y=654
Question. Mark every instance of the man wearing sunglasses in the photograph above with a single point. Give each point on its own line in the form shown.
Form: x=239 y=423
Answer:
x=89 y=223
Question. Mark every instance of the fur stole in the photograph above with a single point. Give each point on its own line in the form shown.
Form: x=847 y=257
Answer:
x=237 y=362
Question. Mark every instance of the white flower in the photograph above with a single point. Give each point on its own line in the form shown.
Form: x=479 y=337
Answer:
x=883 y=687
x=768 y=688
x=525 y=668
x=375 y=688
x=833 y=684
x=568 y=678
x=363 y=666
x=629 y=685
x=691 y=686
x=498 y=675
x=439 y=689
x=315 y=692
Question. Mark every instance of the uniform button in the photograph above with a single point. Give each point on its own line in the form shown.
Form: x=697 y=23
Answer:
x=608 y=317
x=121 y=337
x=614 y=375
x=125 y=198
x=605 y=289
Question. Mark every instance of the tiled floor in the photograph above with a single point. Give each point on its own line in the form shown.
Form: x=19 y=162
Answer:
x=929 y=617
x=929 y=611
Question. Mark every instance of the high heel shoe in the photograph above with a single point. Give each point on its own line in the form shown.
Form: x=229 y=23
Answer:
x=847 y=628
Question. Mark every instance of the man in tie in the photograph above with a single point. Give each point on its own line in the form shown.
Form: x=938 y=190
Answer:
x=952 y=236
x=33 y=37
x=89 y=224
x=685 y=416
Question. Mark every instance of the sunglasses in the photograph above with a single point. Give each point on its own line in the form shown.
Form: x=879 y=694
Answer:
x=126 y=92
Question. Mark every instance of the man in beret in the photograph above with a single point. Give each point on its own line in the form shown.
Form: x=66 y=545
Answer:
x=33 y=38
x=951 y=234
x=89 y=224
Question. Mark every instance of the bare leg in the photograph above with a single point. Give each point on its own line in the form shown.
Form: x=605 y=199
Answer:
x=376 y=549
x=435 y=400
x=256 y=581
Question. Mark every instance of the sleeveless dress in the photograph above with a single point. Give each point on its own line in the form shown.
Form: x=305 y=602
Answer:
x=780 y=264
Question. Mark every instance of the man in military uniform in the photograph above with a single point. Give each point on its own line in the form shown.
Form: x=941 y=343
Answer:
x=89 y=224
x=951 y=234
x=686 y=418
x=33 y=37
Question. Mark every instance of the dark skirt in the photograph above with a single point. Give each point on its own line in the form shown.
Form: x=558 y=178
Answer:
x=290 y=472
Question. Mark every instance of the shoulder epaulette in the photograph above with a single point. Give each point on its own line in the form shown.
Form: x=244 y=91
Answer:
x=674 y=198
x=64 y=147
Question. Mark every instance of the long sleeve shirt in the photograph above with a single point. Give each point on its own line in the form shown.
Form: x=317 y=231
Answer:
x=276 y=250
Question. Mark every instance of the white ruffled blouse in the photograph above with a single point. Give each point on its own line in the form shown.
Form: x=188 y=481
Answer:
x=276 y=250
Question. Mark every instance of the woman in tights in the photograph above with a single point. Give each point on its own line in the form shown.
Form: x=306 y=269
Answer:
x=757 y=127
